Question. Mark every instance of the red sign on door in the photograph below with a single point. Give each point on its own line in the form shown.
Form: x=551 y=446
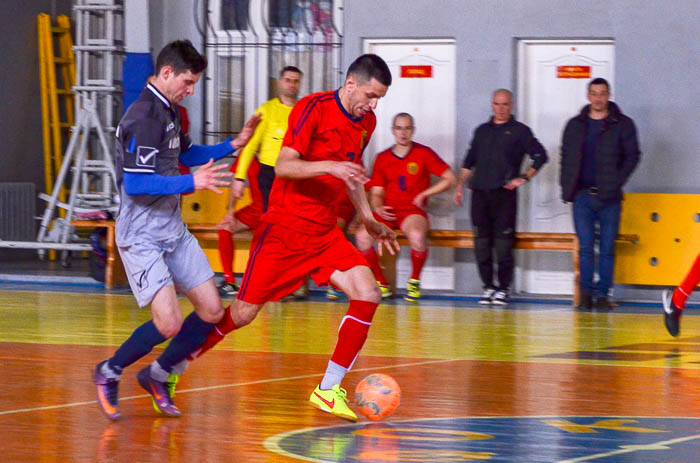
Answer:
x=573 y=72
x=416 y=71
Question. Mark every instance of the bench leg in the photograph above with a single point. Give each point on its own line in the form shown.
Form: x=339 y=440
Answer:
x=577 y=276
x=109 y=266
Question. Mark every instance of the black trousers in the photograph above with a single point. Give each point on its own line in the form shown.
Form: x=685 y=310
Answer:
x=493 y=215
x=266 y=175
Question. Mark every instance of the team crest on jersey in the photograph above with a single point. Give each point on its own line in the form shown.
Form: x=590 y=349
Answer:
x=412 y=168
x=363 y=139
x=170 y=127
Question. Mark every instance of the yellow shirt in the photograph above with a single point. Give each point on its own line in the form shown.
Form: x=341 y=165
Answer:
x=268 y=136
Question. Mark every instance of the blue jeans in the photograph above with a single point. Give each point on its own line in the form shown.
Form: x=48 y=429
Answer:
x=588 y=210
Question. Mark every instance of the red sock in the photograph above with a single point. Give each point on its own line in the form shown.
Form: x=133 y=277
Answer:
x=224 y=327
x=681 y=294
x=373 y=262
x=353 y=332
x=418 y=259
x=226 y=253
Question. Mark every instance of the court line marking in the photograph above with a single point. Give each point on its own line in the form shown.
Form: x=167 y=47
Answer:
x=272 y=443
x=661 y=445
x=222 y=386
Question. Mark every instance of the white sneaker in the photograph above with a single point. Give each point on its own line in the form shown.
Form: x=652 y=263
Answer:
x=500 y=297
x=487 y=297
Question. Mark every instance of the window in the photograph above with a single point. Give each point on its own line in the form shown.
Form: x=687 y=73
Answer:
x=234 y=15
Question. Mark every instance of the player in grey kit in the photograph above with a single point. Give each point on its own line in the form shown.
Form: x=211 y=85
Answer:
x=158 y=252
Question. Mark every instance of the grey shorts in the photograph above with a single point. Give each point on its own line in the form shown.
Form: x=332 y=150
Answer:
x=150 y=266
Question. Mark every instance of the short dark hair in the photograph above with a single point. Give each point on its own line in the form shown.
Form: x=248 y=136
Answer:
x=291 y=69
x=599 y=81
x=403 y=115
x=368 y=67
x=181 y=56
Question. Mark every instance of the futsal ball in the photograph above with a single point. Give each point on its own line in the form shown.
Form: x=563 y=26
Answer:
x=377 y=396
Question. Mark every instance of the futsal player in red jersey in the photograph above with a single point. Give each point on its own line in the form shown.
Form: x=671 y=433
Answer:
x=399 y=192
x=320 y=161
x=674 y=301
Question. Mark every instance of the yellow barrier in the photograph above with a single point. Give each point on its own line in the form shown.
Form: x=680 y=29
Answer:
x=668 y=226
x=205 y=206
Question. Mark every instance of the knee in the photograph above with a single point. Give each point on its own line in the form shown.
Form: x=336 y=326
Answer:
x=212 y=314
x=418 y=241
x=366 y=291
x=169 y=327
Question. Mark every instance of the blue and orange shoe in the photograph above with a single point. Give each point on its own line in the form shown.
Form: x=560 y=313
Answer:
x=107 y=393
x=160 y=394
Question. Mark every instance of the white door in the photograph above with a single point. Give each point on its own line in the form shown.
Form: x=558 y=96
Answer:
x=423 y=84
x=552 y=83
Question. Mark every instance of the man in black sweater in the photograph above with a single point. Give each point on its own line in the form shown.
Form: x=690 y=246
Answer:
x=599 y=151
x=493 y=164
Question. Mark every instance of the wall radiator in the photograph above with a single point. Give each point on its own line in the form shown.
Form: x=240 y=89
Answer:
x=17 y=212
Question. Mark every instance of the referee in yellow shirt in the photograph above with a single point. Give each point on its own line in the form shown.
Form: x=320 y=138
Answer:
x=266 y=143
x=269 y=134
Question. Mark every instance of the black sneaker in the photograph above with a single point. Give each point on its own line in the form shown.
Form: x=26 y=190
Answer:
x=228 y=289
x=586 y=304
x=500 y=297
x=602 y=304
x=487 y=297
x=672 y=314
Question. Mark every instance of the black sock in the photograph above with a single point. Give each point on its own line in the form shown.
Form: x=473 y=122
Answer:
x=141 y=342
x=192 y=335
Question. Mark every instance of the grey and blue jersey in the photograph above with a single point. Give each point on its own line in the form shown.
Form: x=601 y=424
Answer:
x=149 y=141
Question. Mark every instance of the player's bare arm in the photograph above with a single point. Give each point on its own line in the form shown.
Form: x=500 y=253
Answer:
x=246 y=132
x=383 y=235
x=447 y=181
x=464 y=175
x=376 y=202
x=290 y=165
x=209 y=177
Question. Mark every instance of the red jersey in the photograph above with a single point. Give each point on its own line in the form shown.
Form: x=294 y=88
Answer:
x=403 y=178
x=321 y=130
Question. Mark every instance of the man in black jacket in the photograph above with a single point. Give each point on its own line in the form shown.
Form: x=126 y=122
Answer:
x=598 y=154
x=494 y=158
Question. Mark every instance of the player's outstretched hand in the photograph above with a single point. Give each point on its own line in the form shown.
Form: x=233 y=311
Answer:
x=419 y=200
x=515 y=183
x=384 y=236
x=247 y=131
x=352 y=174
x=385 y=212
x=209 y=177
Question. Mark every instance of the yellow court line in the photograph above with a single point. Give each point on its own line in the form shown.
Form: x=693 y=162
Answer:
x=220 y=386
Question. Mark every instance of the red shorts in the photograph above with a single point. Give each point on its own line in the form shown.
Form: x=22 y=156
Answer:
x=280 y=259
x=401 y=213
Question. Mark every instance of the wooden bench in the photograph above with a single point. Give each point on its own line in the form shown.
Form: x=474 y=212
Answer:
x=438 y=238
x=465 y=240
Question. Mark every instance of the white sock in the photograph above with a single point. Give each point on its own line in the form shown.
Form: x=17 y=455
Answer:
x=334 y=375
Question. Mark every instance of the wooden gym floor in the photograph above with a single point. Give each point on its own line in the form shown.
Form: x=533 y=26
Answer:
x=534 y=382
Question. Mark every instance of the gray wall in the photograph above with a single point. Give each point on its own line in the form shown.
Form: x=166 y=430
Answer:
x=22 y=155
x=657 y=76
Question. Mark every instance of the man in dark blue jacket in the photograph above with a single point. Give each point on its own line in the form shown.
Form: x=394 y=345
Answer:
x=492 y=167
x=598 y=154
